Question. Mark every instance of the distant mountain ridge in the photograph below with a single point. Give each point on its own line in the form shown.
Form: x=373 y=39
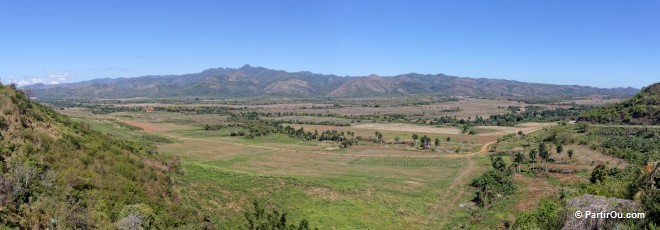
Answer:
x=249 y=81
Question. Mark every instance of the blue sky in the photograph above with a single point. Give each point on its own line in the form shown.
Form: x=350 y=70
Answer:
x=596 y=43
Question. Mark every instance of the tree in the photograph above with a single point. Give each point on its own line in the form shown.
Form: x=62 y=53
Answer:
x=397 y=139
x=345 y=143
x=560 y=149
x=437 y=142
x=519 y=159
x=532 y=156
x=426 y=142
x=599 y=174
x=415 y=137
x=544 y=153
x=499 y=164
x=448 y=139
x=465 y=129
x=261 y=218
x=379 y=136
x=570 y=154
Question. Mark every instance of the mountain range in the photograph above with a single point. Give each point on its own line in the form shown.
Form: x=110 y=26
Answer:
x=249 y=81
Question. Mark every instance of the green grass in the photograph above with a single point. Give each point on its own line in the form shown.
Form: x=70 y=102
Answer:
x=402 y=162
x=342 y=203
x=378 y=193
x=353 y=197
x=124 y=132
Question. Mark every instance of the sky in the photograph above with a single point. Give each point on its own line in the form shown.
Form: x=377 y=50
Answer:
x=595 y=43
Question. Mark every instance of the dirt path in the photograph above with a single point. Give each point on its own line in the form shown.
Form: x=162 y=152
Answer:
x=449 y=198
x=442 y=208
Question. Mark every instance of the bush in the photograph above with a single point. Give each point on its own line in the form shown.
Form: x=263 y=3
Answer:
x=136 y=216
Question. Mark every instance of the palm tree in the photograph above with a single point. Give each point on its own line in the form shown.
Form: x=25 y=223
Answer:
x=397 y=139
x=437 y=143
x=532 y=156
x=560 y=148
x=425 y=142
x=519 y=159
x=570 y=154
x=379 y=136
x=544 y=153
x=415 y=137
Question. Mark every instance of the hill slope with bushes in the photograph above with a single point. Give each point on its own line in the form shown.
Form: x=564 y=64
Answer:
x=58 y=173
x=643 y=108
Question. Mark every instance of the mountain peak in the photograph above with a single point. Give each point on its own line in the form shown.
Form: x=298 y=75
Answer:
x=246 y=66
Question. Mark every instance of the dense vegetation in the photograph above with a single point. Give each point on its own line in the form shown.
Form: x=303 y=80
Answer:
x=256 y=127
x=515 y=116
x=495 y=183
x=634 y=188
x=643 y=108
x=59 y=173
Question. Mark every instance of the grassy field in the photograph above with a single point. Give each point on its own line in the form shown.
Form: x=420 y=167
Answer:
x=367 y=186
x=331 y=190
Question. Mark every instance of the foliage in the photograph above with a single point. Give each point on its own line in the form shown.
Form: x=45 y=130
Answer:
x=494 y=183
x=260 y=127
x=549 y=215
x=637 y=145
x=262 y=219
x=55 y=172
x=643 y=108
x=536 y=114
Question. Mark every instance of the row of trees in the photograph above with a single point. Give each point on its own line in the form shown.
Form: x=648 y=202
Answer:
x=515 y=116
x=259 y=127
x=543 y=152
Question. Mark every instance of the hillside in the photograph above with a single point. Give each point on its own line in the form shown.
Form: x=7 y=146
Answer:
x=55 y=172
x=643 y=108
x=249 y=81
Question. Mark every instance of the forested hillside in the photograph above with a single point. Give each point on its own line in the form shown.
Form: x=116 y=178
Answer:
x=55 y=172
x=643 y=108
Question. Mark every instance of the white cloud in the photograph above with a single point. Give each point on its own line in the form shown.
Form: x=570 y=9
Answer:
x=51 y=78
x=58 y=77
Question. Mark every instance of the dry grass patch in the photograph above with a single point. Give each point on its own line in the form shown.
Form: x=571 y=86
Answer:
x=587 y=158
x=409 y=128
x=536 y=188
